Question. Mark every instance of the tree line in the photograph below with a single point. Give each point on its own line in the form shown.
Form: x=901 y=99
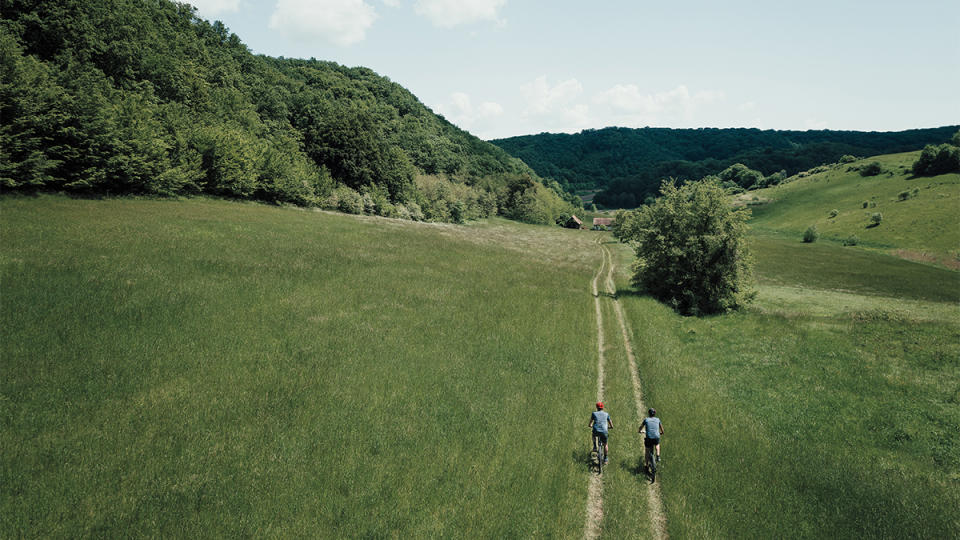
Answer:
x=144 y=97
x=628 y=165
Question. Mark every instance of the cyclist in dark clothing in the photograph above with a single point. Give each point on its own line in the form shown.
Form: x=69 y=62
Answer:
x=654 y=429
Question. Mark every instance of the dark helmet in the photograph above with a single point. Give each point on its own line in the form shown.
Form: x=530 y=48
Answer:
x=652 y=411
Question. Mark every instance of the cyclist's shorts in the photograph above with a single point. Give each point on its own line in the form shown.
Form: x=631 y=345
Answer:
x=601 y=435
x=650 y=443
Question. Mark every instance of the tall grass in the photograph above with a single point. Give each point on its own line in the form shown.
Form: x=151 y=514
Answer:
x=206 y=368
x=815 y=413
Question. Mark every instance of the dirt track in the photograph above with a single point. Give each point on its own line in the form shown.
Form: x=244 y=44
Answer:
x=594 y=522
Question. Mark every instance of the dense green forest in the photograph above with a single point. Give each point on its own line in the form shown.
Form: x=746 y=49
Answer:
x=143 y=97
x=628 y=165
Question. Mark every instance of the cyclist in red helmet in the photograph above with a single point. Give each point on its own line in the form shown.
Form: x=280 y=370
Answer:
x=600 y=422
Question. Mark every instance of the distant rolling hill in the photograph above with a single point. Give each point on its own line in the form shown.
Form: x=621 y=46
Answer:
x=918 y=215
x=629 y=164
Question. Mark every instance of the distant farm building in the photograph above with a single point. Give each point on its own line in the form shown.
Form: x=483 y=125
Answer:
x=573 y=223
x=602 y=221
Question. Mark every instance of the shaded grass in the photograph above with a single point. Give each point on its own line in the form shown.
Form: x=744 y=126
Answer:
x=782 y=260
x=207 y=368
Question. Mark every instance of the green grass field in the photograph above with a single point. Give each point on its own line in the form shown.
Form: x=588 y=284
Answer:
x=210 y=368
x=831 y=407
x=922 y=227
x=207 y=368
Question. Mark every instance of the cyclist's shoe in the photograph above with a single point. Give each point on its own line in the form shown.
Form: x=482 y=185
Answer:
x=658 y=459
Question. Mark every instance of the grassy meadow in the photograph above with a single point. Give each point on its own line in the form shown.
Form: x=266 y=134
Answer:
x=919 y=214
x=210 y=368
x=830 y=407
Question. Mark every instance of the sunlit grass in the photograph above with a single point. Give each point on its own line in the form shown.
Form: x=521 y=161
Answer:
x=840 y=404
x=922 y=226
x=207 y=368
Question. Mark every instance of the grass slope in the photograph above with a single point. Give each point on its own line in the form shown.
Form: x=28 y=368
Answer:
x=922 y=227
x=208 y=368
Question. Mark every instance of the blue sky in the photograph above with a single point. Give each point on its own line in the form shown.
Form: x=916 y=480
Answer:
x=499 y=68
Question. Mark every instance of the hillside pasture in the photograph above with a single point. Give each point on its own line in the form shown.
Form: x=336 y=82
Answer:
x=919 y=214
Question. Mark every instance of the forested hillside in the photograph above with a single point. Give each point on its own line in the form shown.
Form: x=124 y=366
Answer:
x=629 y=164
x=143 y=97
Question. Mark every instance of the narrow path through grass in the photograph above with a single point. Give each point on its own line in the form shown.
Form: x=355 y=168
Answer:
x=595 y=492
x=657 y=516
x=594 y=519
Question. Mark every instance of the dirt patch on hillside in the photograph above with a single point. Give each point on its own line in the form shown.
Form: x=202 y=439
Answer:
x=952 y=263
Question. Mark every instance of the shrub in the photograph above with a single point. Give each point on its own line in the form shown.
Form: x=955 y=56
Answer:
x=458 y=212
x=811 y=234
x=834 y=213
x=851 y=240
x=876 y=218
x=348 y=200
x=866 y=204
x=847 y=158
x=872 y=169
x=934 y=160
x=416 y=213
x=691 y=248
x=742 y=176
x=776 y=178
x=903 y=195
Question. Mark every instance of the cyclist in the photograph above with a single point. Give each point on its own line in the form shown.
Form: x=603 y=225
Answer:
x=654 y=429
x=600 y=422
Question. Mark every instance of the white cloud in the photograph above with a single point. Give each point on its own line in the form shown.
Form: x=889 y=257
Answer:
x=341 y=22
x=391 y=3
x=476 y=119
x=628 y=106
x=812 y=123
x=555 y=107
x=209 y=8
x=450 y=13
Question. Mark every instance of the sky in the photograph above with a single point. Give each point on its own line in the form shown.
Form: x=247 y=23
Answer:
x=500 y=68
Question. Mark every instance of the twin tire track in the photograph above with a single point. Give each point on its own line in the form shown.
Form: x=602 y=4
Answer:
x=594 y=521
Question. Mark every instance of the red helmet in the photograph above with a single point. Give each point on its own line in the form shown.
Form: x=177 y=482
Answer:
x=599 y=404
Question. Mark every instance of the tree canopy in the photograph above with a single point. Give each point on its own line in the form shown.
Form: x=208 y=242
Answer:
x=144 y=97
x=691 y=248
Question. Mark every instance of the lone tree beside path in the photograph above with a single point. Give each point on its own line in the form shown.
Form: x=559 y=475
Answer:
x=691 y=249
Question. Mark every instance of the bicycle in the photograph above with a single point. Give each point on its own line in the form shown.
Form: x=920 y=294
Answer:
x=598 y=452
x=650 y=462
